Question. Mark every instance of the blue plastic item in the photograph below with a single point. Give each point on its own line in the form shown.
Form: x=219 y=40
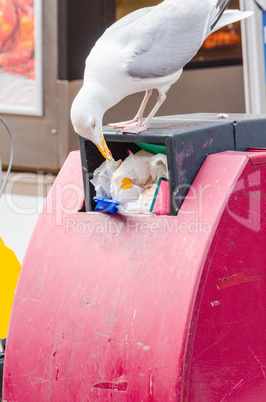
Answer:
x=106 y=205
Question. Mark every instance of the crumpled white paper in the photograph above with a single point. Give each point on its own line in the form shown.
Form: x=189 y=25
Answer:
x=142 y=170
x=102 y=178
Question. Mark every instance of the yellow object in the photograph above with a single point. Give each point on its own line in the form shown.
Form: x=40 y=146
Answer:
x=9 y=272
x=103 y=148
x=126 y=184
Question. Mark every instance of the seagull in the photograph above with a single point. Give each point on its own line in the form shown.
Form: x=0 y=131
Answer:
x=145 y=50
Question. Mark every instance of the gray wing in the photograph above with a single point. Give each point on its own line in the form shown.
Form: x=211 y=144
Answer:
x=166 y=38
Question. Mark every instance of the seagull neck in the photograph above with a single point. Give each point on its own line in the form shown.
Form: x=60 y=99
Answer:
x=103 y=96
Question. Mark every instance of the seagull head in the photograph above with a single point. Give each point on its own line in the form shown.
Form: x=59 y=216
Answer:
x=86 y=118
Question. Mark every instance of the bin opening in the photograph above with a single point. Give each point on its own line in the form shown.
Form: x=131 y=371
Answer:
x=132 y=183
x=133 y=176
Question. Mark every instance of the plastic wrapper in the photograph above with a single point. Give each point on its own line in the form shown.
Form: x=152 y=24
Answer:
x=158 y=167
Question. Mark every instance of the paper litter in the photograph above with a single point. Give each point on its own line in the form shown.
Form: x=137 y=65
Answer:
x=131 y=182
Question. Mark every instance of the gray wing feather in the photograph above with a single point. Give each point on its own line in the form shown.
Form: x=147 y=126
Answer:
x=169 y=35
x=162 y=44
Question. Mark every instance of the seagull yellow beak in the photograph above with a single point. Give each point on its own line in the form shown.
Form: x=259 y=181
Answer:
x=105 y=151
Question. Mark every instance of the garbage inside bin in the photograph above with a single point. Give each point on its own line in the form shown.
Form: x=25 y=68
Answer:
x=132 y=182
x=102 y=178
x=105 y=205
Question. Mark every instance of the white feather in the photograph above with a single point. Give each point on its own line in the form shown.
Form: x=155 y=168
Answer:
x=231 y=16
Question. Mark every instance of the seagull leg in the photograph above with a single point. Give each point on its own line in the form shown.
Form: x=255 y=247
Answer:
x=146 y=124
x=138 y=119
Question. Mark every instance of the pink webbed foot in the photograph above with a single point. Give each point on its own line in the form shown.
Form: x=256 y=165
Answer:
x=135 y=129
x=124 y=124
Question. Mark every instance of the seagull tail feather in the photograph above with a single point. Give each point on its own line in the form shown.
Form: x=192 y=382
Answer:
x=231 y=16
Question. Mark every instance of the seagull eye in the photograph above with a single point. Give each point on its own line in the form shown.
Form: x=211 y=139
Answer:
x=94 y=125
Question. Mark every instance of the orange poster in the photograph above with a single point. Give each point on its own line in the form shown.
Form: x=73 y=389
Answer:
x=20 y=56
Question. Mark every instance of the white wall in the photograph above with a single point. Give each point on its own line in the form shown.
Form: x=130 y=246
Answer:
x=18 y=215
